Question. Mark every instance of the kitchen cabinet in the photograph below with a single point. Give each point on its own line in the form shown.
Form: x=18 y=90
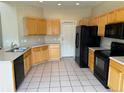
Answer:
x=36 y=55
x=102 y=21
x=111 y=17
x=91 y=60
x=54 y=52
x=93 y=21
x=84 y=21
x=27 y=61
x=115 y=78
x=120 y=15
x=42 y=30
x=30 y=26
x=53 y=27
x=44 y=53
x=34 y=26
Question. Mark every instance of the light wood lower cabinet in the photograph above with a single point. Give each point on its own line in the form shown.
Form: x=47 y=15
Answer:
x=54 y=52
x=43 y=53
x=91 y=60
x=116 y=76
x=27 y=61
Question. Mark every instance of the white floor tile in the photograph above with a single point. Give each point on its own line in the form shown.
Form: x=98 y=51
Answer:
x=85 y=82
x=24 y=85
x=89 y=89
x=66 y=89
x=55 y=84
x=101 y=89
x=73 y=77
x=78 y=89
x=63 y=78
x=95 y=82
x=43 y=90
x=55 y=78
x=33 y=85
x=44 y=84
x=31 y=90
x=56 y=89
x=36 y=79
x=65 y=83
x=75 y=83
x=21 y=90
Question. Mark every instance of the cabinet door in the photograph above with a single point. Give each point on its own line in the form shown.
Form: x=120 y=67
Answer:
x=114 y=81
x=93 y=21
x=91 y=60
x=55 y=27
x=102 y=21
x=111 y=17
x=31 y=26
x=122 y=83
x=120 y=15
x=84 y=21
x=54 y=52
x=27 y=61
x=36 y=54
x=45 y=53
x=42 y=27
x=49 y=27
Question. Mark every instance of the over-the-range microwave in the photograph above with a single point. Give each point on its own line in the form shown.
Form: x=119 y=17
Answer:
x=115 y=30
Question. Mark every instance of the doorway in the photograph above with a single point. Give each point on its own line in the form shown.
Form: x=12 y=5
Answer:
x=68 y=30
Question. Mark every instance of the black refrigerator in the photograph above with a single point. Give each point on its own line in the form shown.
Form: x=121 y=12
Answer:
x=86 y=36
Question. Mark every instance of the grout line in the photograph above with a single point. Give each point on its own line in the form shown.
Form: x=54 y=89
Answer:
x=68 y=77
x=41 y=77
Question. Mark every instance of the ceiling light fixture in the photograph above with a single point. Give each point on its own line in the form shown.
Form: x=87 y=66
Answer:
x=77 y=4
x=59 y=4
x=41 y=1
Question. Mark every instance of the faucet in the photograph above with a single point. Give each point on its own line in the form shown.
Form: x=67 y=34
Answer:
x=13 y=45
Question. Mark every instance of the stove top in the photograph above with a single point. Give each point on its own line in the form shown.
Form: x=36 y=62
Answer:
x=106 y=53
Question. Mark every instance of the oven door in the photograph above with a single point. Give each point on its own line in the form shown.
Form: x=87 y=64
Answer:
x=101 y=67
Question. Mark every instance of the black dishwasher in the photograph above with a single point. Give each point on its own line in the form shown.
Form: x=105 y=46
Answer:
x=19 y=71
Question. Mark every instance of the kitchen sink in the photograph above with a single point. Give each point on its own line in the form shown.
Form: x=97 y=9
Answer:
x=20 y=49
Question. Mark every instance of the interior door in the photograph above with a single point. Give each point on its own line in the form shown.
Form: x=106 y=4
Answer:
x=68 y=29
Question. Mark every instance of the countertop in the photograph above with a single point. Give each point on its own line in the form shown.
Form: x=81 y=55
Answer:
x=10 y=56
x=97 y=48
x=118 y=59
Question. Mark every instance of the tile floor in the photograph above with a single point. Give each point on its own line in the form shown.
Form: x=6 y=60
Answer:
x=64 y=76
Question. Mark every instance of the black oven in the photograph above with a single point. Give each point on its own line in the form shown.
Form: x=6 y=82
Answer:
x=101 y=67
x=101 y=64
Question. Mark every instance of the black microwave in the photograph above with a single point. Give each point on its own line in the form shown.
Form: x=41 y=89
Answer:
x=115 y=30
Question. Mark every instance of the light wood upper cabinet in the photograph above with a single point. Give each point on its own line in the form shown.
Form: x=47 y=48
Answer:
x=84 y=21
x=115 y=77
x=27 y=61
x=91 y=60
x=42 y=30
x=120 y=15
x=53 y=26
x=30 y=26
x=111 y=17
x=102 y=21
x=34 y=26
x=93 y=21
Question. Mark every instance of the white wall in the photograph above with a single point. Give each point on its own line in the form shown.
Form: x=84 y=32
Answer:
x=67 y=13
x=107 y=7
x=9 y=24
x=24 y=11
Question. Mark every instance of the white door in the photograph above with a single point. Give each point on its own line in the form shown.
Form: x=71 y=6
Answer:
x=68 y=29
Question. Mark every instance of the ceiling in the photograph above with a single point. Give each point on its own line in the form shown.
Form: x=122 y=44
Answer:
x=65 y=4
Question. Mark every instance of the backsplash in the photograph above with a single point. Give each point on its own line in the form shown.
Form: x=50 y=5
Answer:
x=52 y=39
x=106 y=42
x=31 y=40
